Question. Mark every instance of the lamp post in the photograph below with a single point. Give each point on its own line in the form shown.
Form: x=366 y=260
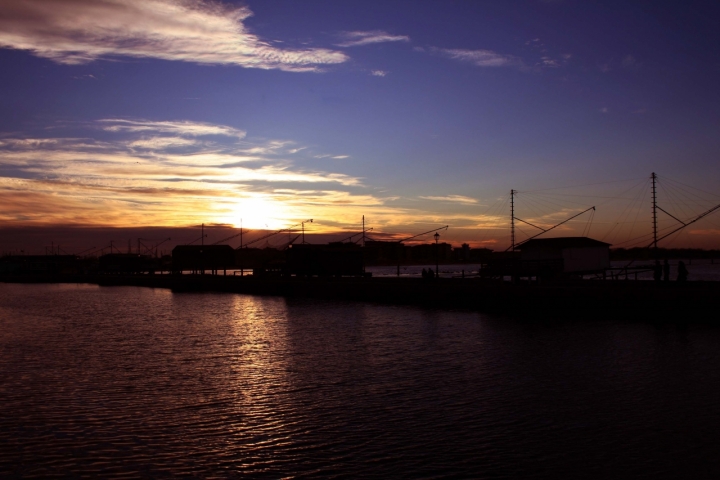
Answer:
x=437 y=256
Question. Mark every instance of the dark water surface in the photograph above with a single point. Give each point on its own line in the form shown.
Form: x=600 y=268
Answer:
x=127 y=382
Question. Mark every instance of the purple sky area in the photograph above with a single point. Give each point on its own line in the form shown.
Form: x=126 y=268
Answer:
x=416 y=114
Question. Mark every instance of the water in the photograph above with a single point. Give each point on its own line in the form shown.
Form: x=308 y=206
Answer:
x=128 y=382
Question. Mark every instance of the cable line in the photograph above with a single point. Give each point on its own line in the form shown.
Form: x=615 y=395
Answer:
x=576 y=186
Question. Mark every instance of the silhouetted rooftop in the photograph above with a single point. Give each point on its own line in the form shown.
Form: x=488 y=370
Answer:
x=562 y=242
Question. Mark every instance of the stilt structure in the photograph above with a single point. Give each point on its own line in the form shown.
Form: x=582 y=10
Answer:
x=363 y=243
x=363 y=235
x=242 y=270
x=303 y=229
x=654 y=214
x=512 y=220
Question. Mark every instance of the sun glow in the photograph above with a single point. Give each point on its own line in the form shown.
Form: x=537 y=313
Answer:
x=261 y=213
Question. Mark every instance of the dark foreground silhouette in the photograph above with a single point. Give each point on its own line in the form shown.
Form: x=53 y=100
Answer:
x=543 y=300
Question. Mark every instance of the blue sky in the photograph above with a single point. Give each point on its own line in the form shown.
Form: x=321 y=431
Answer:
x=127 y=113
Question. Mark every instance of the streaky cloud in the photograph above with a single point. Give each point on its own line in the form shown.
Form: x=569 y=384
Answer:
x=197 y=31
x=480 y=58
x=182 y=128
x=170 y=173
x=453 y=198
x=161 y=143
x=359 y=38
x=164 y=173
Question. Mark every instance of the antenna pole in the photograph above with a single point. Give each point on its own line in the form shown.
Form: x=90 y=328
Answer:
x=512 y=219
x=654 y=213
x=242 y=270
x=363 y=239
x=202 y=233
x=363 y=244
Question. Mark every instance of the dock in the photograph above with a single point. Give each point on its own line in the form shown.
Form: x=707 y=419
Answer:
x=541 y=300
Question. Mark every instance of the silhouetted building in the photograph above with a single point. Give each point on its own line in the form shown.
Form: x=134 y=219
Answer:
x=480 y=255
x=378 y=252
x=462 y=253
x=127 y=263
x=260 y=259
x=199 y=258
x=429 y=252
x=574 y=255
x=324 y=260
x=39 y=264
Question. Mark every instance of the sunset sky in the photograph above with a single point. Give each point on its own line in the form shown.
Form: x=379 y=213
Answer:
x=416 y=114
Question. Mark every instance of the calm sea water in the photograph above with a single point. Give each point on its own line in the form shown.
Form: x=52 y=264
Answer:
x=127 y=382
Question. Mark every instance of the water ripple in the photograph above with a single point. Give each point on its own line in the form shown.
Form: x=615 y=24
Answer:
x=142 y=383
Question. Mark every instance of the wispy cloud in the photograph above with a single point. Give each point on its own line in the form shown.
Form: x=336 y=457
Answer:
x=336 y=157
x=453 y=198
x=356 y=39
x=546 y=60
x=480 y=58
x=379 y=73
x=549 y=62
x=630 y=62
x=183 y=128
x=160 y=173
x=134 y=172
x=156 y=173
x=198 y=31
x=161 y=143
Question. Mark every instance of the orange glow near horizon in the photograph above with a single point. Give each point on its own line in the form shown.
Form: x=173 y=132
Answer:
x=165 y=175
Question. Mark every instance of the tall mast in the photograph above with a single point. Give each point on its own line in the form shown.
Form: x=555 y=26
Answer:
x=512 y=219
x=363 y=244
x=654 y=212
x=363 y=239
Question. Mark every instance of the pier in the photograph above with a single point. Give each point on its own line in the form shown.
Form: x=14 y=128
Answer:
x=544 y=300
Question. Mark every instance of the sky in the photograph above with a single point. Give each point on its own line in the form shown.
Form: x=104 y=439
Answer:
x=151 y=114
